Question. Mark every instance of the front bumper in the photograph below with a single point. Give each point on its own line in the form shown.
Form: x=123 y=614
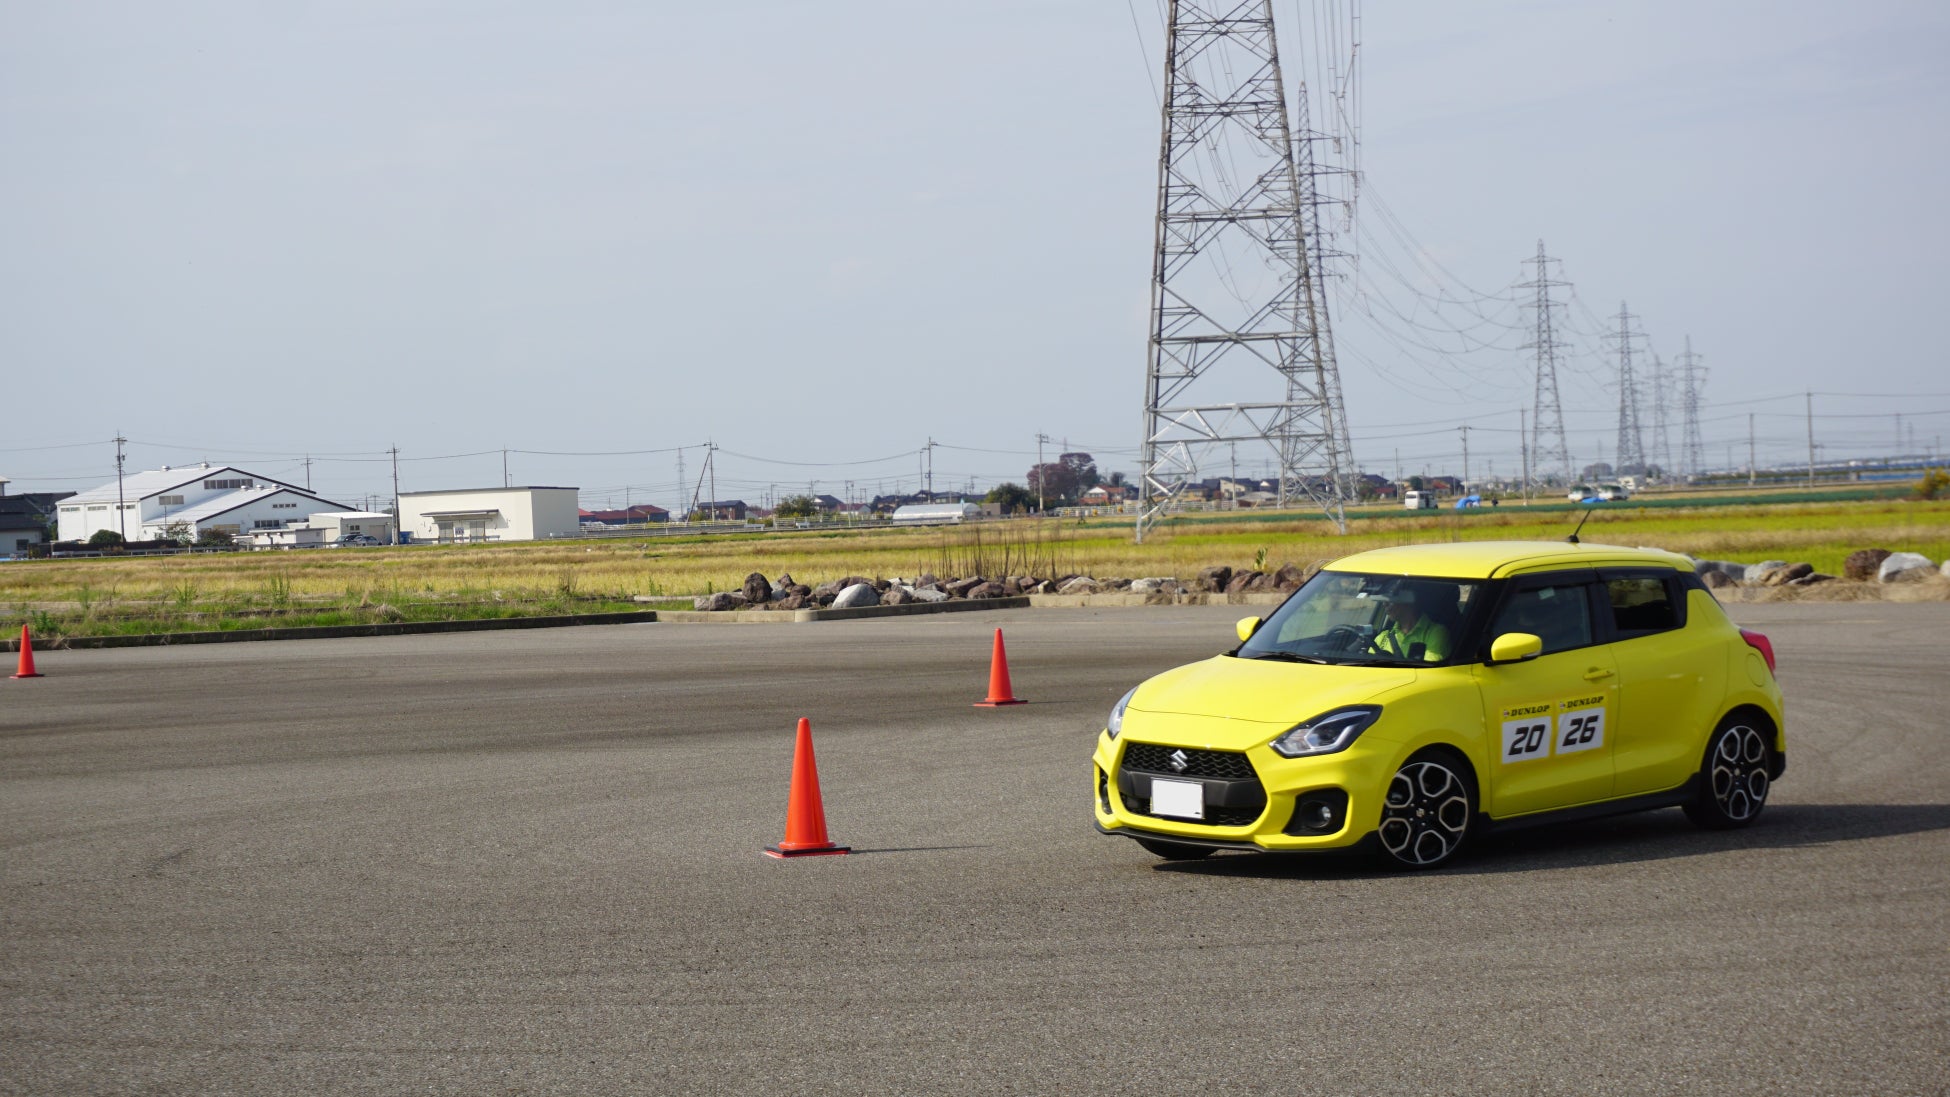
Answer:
x=1256 y=812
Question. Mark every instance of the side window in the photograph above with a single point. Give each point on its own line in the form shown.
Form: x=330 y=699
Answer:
x=1641 y=606
x=1561 y=616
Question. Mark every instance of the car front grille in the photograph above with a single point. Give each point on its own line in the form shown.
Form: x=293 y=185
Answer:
x=1233 y=795
x=1148 y=758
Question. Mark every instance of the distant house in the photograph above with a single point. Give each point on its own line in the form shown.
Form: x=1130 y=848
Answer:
x=828 y=504
x=636 y=514
x=193 y=501
x=1105 y=494
x=723 y=510
x=25 y=519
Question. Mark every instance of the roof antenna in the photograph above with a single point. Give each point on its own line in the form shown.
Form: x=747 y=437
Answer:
x=1574 y=533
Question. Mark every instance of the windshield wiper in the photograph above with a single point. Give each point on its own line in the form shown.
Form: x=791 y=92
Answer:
x=1288 y=657
x=1384 y=662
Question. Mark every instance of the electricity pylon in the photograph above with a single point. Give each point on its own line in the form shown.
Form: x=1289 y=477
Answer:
x=1240 y=347
x=1692 y=383
x=1549 y=453
x=1661 y=389
x=1631 y=441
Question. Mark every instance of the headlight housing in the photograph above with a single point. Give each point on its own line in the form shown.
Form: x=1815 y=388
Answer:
x=1116 y=722
x=1327 y=733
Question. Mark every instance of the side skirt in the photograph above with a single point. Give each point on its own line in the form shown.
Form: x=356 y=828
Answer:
x=1671 y=798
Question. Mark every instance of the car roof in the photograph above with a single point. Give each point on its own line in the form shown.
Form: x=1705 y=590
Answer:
x=1498 y=559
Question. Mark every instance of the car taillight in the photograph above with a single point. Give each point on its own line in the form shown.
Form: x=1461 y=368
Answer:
x=1761 y=644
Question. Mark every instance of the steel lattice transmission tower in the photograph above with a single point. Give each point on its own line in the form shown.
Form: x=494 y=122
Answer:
x=1549 y=451
x=1631 y=441
x=1660 y=455
x=1240 y=348
x=1692 y=382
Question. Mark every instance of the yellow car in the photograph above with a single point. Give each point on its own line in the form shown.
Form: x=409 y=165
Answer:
x=1407 y=699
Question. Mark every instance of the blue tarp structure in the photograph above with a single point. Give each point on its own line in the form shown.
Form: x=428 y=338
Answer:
x=1469 y=501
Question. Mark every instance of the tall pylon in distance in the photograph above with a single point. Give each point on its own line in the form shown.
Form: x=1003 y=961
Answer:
x=1631 y=440
x=1550 y=455
x=1692 y=383
x=1660 y=455
x=1240 y=349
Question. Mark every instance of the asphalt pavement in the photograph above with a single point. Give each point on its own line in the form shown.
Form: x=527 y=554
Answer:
x=529 y=862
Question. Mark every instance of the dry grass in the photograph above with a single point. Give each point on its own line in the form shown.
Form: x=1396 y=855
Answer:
x=555 y=572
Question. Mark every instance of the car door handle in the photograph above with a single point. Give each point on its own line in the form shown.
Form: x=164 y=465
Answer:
x=1596 y=673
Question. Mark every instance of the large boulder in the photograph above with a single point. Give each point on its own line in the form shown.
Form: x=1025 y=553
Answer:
x=960 y=587
x=719 y=602
x=927 y=594
x=1780 y=576
x=927 y=579
x=857 y=595
x=792 y=600
x=1861 y=564
x=1149 y=584
x=1716 y=579
x=1243 y=581
x=1082 y=584
x=1726 y=569
x=985 y=590
x=758 y=589
x=1899 y=566
x=896 y=596
x=1212 y=580
x=1289 y=578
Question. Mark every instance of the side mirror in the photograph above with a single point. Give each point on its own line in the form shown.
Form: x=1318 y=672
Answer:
x=1246 y=627
x=1515 y=647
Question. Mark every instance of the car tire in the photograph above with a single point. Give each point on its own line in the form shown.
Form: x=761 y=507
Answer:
x=1427 y=810
x=1734 y=778
x=1174 y=851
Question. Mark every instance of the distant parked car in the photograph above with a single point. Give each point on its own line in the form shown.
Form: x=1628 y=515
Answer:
x=359 y=540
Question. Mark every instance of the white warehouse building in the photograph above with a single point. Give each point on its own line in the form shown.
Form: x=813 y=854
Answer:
x=490 y=514
x=193 y=500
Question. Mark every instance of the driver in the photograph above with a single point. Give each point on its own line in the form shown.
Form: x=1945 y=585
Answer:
x=1408 y=626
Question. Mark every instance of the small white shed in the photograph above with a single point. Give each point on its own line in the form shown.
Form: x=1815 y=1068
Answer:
x=489 y=514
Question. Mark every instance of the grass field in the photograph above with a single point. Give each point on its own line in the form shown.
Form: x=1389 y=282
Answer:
x=424 y=582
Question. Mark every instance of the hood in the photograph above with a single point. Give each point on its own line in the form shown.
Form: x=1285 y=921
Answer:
x=1263 y=691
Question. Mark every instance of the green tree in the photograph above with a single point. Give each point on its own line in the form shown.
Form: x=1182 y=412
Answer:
x=104 y=538
x=1932 y=484
x=1415 y=483
x=215 y=538
x=797 y=506
x=1013 y=498
x=179 y=532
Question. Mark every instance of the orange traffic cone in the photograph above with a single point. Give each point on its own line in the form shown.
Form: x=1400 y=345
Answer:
x=805 y=816
x=26 y=655
x=999 y=693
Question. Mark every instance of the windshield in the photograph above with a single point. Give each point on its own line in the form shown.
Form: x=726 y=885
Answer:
x=1346 y=618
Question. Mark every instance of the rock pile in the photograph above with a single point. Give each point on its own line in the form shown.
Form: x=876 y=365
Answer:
x=1877 y=565
x=760 y=593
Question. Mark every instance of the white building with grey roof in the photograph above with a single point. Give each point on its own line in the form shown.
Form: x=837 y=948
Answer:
x=191 y=500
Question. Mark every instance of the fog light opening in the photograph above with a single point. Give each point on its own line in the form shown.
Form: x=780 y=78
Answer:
x=1317 y=813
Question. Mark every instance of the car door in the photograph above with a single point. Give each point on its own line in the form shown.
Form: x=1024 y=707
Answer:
x=1549 y=716
x=1670 y=678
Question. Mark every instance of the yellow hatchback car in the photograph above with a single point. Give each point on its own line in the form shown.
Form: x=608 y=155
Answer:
x=1407 y=699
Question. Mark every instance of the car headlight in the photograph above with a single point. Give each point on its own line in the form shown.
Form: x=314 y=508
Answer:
x=1327 y=733
x=1116 y=722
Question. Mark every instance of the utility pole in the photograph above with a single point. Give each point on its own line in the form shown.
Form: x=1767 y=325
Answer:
x=398 y=532
x=1465 y=480
x=680 y=484
x=1523 y=445
x=505 y=482
x=1811 y=438
x=930 y=469
x=1750 y=449
x=121 y=507
x=1040 y=475
x=711 y=464
x=307 y=472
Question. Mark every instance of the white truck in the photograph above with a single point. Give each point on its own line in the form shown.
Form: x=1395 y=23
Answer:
x=1418 y=500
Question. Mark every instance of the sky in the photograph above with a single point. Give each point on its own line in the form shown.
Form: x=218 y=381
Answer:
x=599 y=236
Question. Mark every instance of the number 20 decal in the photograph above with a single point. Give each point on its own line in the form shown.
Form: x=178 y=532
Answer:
x=1526 y=739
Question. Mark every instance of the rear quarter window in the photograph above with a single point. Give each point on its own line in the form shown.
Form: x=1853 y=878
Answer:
x=1642 y=605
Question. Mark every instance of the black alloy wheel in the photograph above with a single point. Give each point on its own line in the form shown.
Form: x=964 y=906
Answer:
x=1426 y=815
x=1734 y=778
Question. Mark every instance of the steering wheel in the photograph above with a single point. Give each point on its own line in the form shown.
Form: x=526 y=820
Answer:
x=1354 y=638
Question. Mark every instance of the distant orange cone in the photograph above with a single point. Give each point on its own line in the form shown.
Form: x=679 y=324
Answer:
x=999 y=693
x=26 y=655
x=805 y=816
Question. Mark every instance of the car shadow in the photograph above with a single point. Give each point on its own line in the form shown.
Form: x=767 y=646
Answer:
x=1650 y=836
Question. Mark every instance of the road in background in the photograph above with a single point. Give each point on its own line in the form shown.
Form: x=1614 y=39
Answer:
x=529 y=862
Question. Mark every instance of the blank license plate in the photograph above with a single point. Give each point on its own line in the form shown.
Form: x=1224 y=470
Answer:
x=1179 y=799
